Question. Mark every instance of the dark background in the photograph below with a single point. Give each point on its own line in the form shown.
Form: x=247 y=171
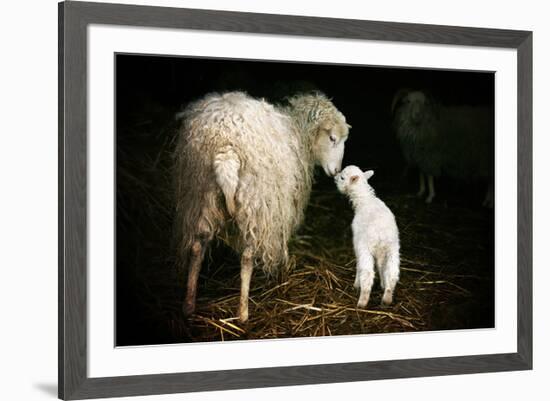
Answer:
x=150 y=90
x=362 y=94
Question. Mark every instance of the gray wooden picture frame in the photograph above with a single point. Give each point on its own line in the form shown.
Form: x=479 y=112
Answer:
x=74 y=18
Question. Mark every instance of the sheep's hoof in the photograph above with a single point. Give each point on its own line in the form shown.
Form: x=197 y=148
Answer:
x=429 y=199
x=188 y=309
x=243 y=312
x=387 y=298
x=243 y=317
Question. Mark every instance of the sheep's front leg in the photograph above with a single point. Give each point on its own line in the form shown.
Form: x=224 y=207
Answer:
x=365 y=271
x=431 y=189
x=247 y=265
x=197 y=255
x=422 y=184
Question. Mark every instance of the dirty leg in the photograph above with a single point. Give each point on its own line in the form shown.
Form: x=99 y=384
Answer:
x=247 y=265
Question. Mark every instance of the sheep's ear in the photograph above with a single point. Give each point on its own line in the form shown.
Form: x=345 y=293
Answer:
x=348 y=125
x=354 y=179
x=398 y=97
x=327 y=125
x=368 y=174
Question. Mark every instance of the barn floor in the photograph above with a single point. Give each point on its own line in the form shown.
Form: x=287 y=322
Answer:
x=445 y=283
x=447 y=280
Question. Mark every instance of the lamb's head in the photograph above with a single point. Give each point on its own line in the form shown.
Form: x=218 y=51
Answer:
x=352 y=179
x=412 y=103
x=326 y=127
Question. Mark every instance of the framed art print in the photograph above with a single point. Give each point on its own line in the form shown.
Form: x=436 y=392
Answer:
x=253 y=200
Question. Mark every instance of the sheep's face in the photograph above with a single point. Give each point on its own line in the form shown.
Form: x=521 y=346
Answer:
x=328 y=147
x=415 y=103
x=352 y=178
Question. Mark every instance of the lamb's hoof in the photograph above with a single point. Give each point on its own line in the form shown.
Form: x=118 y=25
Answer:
x=362 y=303
x=387 y=298
x=188 y=309
x=429 y=199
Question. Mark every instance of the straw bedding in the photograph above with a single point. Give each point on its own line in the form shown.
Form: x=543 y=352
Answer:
x=447 y=275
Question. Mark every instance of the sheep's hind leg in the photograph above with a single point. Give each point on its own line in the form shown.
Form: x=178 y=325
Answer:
x=431 y=189
x=198 y=250
x=365 y=271
x=247 y=265
x=422 y=184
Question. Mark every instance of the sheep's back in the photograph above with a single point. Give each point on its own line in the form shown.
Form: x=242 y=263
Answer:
x=274 y=183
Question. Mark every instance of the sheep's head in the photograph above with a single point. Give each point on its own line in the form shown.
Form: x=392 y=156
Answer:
x=412 y=103
x=329 y=142
x=352 y=178
x=328 y=146
x=325 y=127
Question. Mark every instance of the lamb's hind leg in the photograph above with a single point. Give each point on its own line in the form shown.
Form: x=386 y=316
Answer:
x=365 y=271
x=198 y=250
x=247 y=265
x=390 y=276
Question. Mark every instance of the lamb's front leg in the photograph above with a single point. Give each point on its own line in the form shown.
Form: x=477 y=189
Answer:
x=365 y=273
x=247 y=265
x=356 y=283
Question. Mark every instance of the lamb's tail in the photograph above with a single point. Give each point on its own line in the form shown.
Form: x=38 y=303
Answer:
x=226 y=169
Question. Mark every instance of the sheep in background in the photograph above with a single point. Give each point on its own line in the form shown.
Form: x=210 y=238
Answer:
x=375 y=235
x=439 y=140
x=244 y=171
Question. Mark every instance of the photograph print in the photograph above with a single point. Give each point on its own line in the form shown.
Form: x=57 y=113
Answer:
x=271 y=199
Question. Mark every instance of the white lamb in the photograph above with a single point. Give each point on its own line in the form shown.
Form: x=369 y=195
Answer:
x=375 y=235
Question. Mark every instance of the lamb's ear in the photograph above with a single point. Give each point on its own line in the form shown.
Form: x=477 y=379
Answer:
x=349 y=126
x=368 y=174
x=354 y=179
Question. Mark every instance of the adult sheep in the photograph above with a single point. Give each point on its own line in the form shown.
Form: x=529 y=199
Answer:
x=452 y=141
x=244 y=171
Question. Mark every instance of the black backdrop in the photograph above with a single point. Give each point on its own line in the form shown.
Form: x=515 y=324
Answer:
x=363 y=94
x=150 y=90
